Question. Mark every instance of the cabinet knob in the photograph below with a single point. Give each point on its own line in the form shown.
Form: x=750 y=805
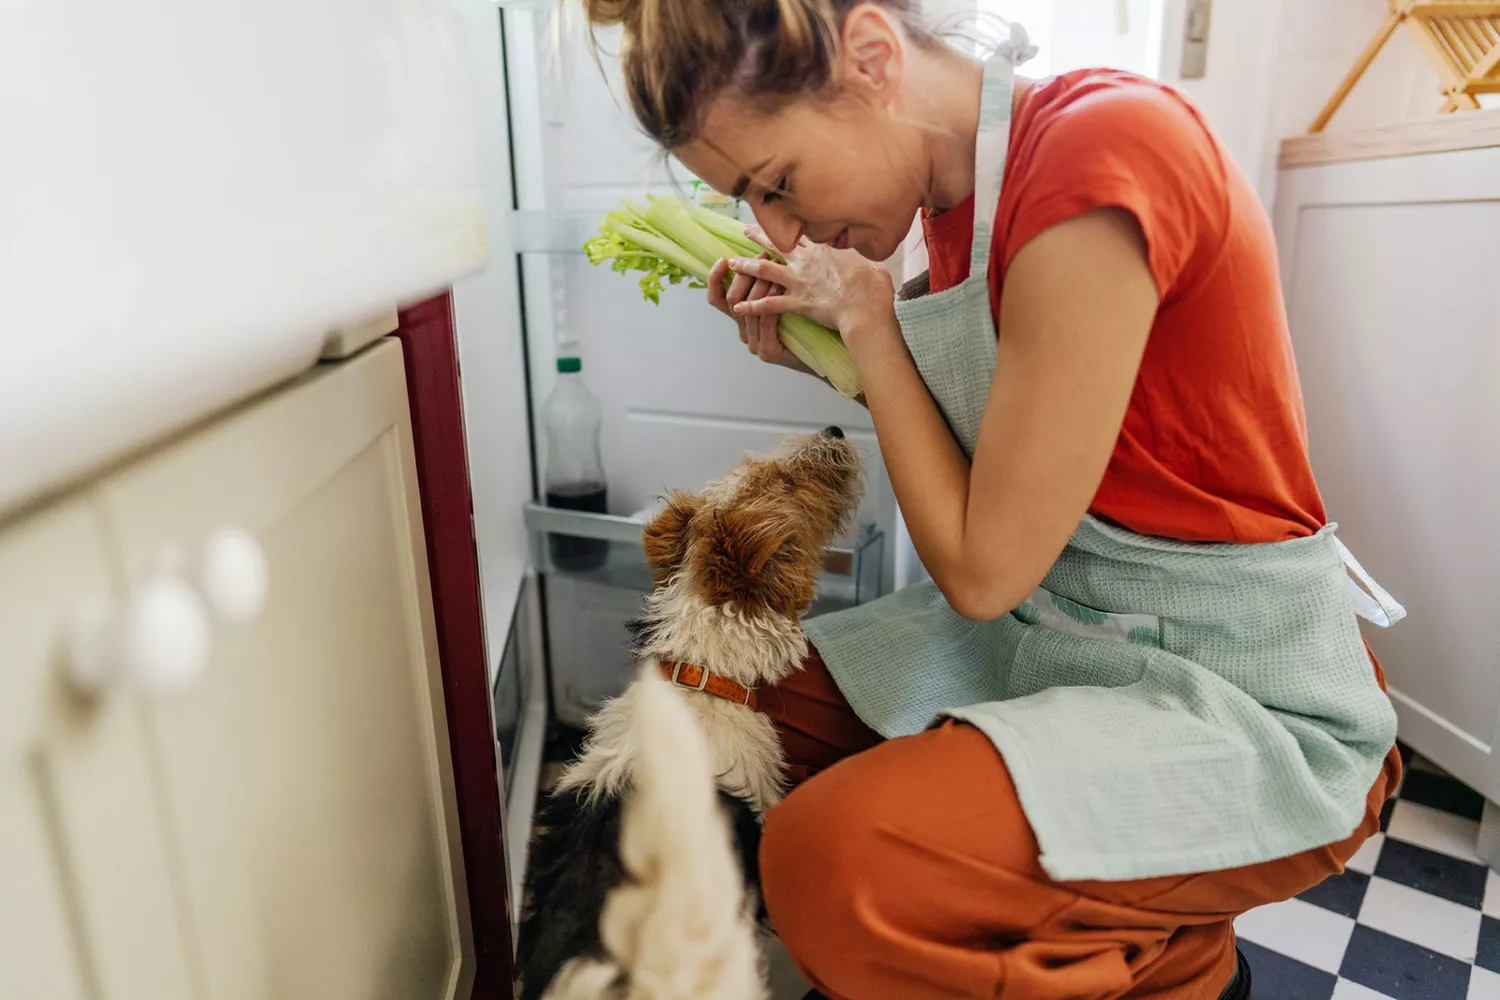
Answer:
x=89 y=641
x=234 y=575
x=165 y=635
x=158 y=642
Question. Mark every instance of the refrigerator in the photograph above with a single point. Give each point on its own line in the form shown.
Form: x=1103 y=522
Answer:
x=682 y=399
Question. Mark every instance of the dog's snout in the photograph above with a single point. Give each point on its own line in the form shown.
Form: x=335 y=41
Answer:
x=834 y=432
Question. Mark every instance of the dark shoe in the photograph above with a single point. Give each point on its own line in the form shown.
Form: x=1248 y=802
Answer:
x=1239 y=986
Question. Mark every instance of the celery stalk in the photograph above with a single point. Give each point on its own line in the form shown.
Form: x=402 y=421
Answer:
x=732 y=231
x=672 y=241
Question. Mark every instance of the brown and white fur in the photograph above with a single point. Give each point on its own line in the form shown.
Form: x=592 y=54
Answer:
x=635 y=891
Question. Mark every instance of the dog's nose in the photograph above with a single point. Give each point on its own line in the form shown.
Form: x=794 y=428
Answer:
x=834 y=432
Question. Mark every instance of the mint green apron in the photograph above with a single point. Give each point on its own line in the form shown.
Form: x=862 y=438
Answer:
x=1163 y=707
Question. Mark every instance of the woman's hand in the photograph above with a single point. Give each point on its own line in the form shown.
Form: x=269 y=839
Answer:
x=837 y=288
x=758 y=333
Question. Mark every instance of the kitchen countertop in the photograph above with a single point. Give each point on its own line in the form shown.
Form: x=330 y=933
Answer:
x=192 y=196
x=67 y=413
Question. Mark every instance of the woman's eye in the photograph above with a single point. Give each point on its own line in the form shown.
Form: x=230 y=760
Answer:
x=774 y=193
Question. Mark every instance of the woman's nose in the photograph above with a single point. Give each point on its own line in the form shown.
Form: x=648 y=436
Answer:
x=782 y=227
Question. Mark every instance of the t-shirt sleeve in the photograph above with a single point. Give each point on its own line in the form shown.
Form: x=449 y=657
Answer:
x=1136 y=147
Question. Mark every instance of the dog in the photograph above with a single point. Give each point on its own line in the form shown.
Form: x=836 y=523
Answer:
x=643 y=880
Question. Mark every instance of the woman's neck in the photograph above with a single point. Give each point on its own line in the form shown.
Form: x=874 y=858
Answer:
x=950 y=84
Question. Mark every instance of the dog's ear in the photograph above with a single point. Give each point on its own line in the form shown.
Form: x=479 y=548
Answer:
x=755 y=558
x=665 y=538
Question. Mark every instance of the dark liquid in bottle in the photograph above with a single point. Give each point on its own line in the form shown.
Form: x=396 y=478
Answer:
x=575 y=555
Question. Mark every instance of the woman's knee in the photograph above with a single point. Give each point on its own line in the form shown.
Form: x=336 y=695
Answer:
x=870 y=862
x=874 y=824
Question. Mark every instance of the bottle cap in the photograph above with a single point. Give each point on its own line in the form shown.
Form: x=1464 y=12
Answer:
x=569 y=366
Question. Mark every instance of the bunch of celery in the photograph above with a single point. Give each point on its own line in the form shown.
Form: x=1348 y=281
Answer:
x=672 y=240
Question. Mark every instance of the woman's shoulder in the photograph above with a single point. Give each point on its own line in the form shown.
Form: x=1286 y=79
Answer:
x=1109 y=139
x=1109 y=107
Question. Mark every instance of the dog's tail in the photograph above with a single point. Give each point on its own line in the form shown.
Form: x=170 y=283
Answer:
x=680 y=927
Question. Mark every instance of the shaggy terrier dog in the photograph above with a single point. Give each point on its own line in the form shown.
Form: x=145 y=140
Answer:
x=643 y=875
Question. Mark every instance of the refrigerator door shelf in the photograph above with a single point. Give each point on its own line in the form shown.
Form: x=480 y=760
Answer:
x=589 y=608
x=851 y=569
x=553 y=231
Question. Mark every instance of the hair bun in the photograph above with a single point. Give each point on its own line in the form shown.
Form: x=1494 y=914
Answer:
x=605 y=12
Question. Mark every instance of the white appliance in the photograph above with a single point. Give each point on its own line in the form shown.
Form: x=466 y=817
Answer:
x=682 y=399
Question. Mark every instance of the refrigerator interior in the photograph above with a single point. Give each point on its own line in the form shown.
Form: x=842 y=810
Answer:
x=682 y=400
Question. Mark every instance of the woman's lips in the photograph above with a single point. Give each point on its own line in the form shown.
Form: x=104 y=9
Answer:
x=841 y=241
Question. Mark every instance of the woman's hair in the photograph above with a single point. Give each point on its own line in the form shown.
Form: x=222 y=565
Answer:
x=678 y=55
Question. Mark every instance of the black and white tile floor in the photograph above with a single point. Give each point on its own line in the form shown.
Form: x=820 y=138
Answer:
x=1416 y=916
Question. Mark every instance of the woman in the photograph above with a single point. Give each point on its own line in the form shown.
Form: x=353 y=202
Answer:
x=1156 y=709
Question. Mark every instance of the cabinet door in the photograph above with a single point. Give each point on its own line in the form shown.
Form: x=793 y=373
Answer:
x=306 y=772
x=1389 y=271
x=86 y=907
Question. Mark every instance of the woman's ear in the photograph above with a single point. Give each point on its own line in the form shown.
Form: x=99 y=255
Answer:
x=871 y=54
x=665 y=538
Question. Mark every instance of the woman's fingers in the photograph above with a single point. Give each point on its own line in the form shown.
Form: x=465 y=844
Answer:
x=757 y=332
x=739 y=289
x=761 y=331
x=762 y=268
x=716 y=291
x=772 y=306
x=759 y=236
x=771 y=349
x=753 y=331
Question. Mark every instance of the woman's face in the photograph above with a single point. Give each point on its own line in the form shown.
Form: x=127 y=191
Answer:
x=835 y=171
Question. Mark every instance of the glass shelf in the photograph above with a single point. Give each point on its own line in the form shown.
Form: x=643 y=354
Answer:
x=851 y=568
x=544 y=231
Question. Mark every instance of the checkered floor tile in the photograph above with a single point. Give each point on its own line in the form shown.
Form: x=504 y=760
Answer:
x=1416 y=916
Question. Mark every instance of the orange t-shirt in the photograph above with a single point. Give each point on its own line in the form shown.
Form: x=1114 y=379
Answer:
x=1214 y=442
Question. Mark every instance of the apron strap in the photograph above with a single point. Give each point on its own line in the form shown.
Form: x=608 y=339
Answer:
x=1372 y=602
x=993 y=141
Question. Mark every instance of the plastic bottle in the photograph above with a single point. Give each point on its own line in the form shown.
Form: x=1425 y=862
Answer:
x=574 y=475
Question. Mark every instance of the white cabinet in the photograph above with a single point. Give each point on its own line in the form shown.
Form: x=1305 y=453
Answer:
x=86 y=908
x=1389 y=272
x=296 y=794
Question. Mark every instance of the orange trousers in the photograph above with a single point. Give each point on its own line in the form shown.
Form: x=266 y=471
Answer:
x=905 y=869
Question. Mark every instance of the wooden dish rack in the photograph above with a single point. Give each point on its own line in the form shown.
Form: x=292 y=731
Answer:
x=1461 y=38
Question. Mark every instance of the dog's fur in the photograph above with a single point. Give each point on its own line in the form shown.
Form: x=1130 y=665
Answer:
x=634 y=891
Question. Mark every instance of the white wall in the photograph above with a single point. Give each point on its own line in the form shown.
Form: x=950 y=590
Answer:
x=1075 y=34
x=1273 y=63
x=1237 y=92
x=1088 y=33
x=1320 y=41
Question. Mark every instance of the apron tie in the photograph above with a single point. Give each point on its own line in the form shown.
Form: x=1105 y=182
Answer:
x=1372 y=602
